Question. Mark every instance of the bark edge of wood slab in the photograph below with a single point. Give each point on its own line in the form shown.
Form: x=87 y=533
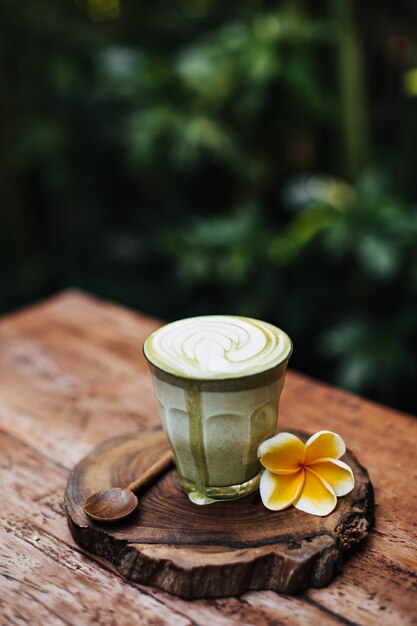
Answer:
x=222 y=549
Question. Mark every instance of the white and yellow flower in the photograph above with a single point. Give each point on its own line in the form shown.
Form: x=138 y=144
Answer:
x=308 y=475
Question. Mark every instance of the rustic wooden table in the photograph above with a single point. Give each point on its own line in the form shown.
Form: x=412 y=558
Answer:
x=71 y=375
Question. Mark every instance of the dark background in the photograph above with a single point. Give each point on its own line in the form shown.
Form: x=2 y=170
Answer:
x=203 y=156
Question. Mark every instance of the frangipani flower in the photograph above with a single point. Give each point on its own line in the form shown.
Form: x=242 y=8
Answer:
x=308 y=475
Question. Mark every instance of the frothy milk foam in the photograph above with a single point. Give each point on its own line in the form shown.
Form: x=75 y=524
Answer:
x=217 y=346
x=215 y=431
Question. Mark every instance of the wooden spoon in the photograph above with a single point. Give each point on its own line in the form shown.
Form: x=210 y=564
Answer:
x=113 y=505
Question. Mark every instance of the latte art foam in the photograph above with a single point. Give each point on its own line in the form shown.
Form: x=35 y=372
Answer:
x=217 y=346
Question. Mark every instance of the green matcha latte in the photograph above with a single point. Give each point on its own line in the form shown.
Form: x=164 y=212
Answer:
x=218 y=380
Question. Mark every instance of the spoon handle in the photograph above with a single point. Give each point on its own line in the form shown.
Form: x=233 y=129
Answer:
x=152 y=473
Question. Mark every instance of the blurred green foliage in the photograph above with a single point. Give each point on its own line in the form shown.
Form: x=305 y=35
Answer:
x=197 y=156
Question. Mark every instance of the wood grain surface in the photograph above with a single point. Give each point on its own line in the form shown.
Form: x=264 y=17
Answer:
x=220 y=550
x=71 y=376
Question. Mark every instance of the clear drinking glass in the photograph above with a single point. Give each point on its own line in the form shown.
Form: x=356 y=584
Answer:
x=215 y=426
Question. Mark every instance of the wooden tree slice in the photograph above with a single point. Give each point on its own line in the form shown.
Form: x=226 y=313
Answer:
x=221 y=549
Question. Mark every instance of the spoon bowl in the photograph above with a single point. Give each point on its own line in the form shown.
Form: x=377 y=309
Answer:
x=110 y=505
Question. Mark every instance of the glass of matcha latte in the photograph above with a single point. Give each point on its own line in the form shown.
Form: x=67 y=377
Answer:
x=218 y=381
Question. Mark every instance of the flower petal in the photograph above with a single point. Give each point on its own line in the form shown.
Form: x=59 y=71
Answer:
x=278 y=492
x=317 y=497
x=282 y=454
x=336 y=473
x=324 y=444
